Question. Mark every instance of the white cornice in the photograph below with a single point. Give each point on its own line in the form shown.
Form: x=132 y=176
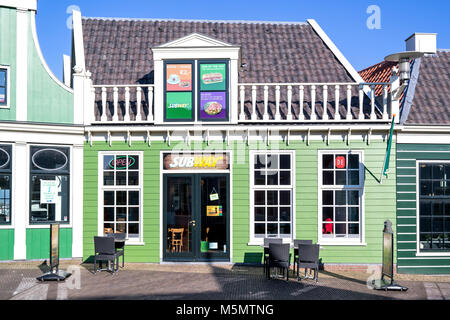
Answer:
x=20 y=4
x=41 y=128
x=194 y=40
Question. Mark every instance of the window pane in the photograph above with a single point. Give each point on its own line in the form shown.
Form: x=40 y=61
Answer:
x=133 y=178
x=341 y=177
x=328 y=161
x=327 y=198
x=5 y=199
x=133 y=198
x=260 y=178
x=340 y=198
x=108 y=198
x=133 y=230
x=425 y=224
x=121 y=214
x=108 y=214
x=341 y=214
x=108 y=178
x=438 y=224
x=260 y=214
x=353 y=198
x=353 y=178
x=133 y=214
x=353 y=160
x=328 y=178
x=260 y=162
x=341 y=228
x=272 y=178
x=438 y=171
x=133 y=162
x=327 y=214
x=108 y=228
x=272 y=161
x=285 y=228
x=425 y=171
x=447 y=209
x=272 y=214
x=3 y=96
x=285 y=198
x=425 y=188
x=121 y=178
x=285 y=178
x=272 y=229
x=2 y=78
x=438 y=188
x=341 y=161
x=327 y=228
x=272 y=198
x=121 y=198
x=260 y=228
x=425 y=208
x=285 y=214
x=285 y=161
x=353 y=228
x=438 y=208
x=260 y=197
x=353 y=214
x=108 y=162
x=121 y=228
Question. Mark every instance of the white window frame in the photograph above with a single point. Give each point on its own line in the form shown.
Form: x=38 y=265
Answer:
x=8 y=87
x=252 y=153
x=418 y=252
x=102 y=189
x=341 y=241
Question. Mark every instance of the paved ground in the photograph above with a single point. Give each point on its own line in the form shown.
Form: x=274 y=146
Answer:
x=205 y=282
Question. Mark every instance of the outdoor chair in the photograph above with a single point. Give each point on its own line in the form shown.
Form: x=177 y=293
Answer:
x=308 y=258
x=105 y=250
x=279 y=257
x=296 y=243
x=119 y=242
x=267 y=241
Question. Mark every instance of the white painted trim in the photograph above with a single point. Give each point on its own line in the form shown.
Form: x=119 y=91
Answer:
x=41 y=57
x=161 y=192
x=259 y=241
x=101 y=188
x=20 y=4
x=194 y=40
x=8 y=86
x=341 y=58
x=20 y=201
x=77 y=183
x=78 y=42
x=361 y=240
x=12 y=191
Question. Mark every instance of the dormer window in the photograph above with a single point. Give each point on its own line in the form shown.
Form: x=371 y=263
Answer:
x=4 y=87
x=196 y=90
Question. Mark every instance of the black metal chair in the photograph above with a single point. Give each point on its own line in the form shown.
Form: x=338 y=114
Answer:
x=296 y=243
x=279 y=257
x=267 y=241
x=105 y=250
x=308 y=258
x=119 y=241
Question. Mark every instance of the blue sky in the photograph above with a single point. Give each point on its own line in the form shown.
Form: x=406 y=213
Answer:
x=344 y=21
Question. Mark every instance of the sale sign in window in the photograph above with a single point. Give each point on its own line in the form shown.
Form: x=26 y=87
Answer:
x=179 y=105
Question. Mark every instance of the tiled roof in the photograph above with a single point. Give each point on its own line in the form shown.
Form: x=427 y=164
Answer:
x=118 y=51
x=381 y=72
x=430 y=104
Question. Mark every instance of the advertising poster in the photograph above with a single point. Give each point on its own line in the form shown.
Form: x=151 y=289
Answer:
x=54 y=248
x=214 y=211
x=213 y=76
x=179 y=77
x=178 y=105
x=213 y=105
x=49 y=191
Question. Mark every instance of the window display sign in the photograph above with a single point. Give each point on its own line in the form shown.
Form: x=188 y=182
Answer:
x=49 y=191
x=340 y=162
x=214 y=211
x=196 y=161
x=179 y=105
x=179 y=77
x=213 y=76
x=213 y=105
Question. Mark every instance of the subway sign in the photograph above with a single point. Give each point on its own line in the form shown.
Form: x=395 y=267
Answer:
x=196 y=161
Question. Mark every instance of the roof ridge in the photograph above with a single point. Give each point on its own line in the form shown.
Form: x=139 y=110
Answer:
x=196 y=20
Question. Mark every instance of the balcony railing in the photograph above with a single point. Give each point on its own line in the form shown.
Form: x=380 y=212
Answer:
x=259 y=103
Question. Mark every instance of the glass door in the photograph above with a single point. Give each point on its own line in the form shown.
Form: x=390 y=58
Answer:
x=179 y=222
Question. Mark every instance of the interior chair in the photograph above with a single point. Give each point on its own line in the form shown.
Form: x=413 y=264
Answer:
x=177 y=239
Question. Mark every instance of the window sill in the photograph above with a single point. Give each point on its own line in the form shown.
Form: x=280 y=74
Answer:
x=362 y=244
x=432 y=254
x=134 y=243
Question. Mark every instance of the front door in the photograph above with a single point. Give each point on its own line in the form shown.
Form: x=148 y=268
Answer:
x=196 y=217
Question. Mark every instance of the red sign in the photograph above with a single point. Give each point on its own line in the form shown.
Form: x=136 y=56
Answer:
x=340 y=162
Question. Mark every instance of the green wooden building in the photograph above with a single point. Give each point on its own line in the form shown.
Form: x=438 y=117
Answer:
x=205 y=137
x=41 y=145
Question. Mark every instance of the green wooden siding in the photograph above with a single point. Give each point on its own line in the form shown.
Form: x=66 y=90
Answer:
x=38 y=243
x=407 y=261
x=379 y=199
x=7 y=247
x=47 y=100
x=8 y=23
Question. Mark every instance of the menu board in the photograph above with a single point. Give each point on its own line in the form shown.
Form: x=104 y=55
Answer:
x=213 y=105
x=387 y=254
x=178 y=77
x=213 y=76
x=178 y=105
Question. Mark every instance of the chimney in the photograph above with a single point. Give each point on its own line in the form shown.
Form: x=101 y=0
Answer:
x=422 y=42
